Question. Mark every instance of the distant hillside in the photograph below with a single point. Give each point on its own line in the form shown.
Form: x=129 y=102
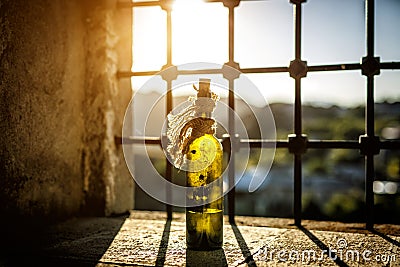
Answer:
x=320 y=120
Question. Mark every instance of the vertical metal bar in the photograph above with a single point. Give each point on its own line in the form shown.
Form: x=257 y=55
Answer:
x=370 y=22
x=369 y=193
x=168 y=170
x=169 y=38
x=231 y=122
x=231 y=33
x=297 y=108
x=369 y=116
x=231 y=168
x=297 y=157
x=297 y=120
x=297 y=189
x=297 y=17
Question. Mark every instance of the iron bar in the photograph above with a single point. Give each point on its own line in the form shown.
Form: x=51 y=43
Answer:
x=169 y=105
x=389 y=145
x=370 y=26
x=231 y=115
x=264 y=70
x=297 y=26
x=168 y=176
x=231 y=167
x=352 y=66
x=129 y=74
x=297 y=108
x=137 y=4
x=333 y=144
x=369 y=193
x=369 y=115
x=169 y=38
x=297 y=119
x=259 y=143
x=138 y=140
x=297 y=189
x=316 y=68
x=297 y=157
x=168 y=170
x=390 y=65
x=262 y=143
x=231 y=37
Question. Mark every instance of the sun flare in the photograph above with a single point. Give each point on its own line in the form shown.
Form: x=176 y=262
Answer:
x=199 y=32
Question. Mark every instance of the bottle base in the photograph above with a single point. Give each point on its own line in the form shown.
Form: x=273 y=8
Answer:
x=204 y=230
x=204 y=248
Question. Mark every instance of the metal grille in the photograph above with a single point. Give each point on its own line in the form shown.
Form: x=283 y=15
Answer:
x=297 y=143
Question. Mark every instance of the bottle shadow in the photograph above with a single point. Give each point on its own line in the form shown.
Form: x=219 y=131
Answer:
x=193 y=257
x=206 y=258
x=217 y=257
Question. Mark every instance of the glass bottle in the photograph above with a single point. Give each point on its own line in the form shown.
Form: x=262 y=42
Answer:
x=204 y=223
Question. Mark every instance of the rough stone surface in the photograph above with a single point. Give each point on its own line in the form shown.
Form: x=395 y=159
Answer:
x=148 y=239
x=42 y=88
x=104 y=180
x=60 y=108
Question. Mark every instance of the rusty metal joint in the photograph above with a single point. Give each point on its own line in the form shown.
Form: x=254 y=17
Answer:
x=297 y=2
x=369 y=145
x=298 y=69
x=169 y=72
x=231 y=70
x=166 y=5
x=231 y=3
x=297 y=144
x=370 y=66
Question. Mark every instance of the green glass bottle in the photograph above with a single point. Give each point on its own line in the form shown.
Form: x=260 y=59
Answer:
x=204 y=223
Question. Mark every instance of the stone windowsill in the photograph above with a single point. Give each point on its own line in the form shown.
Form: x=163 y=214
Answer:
x=147 y=239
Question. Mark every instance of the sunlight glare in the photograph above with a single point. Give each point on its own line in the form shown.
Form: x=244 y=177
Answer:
x=199 y=32
x=149 y=39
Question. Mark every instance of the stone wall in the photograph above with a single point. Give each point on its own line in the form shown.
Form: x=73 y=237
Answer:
x=60 y=108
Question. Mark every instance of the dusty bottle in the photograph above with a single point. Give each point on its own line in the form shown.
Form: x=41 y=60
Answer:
x=204 y=223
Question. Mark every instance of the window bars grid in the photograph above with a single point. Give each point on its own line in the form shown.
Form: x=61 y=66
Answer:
x=297 y=143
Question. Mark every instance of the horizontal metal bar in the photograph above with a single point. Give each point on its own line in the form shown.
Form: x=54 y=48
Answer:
x=129 y=74
x=205 y=71
x=258 y=143
x=318 y=144
x=326 y=144
x=138 y=140
x=390 y=65
x=390 y=144
x=137 y=4
x=264 y=70
x=336 y=67
x=352 y=66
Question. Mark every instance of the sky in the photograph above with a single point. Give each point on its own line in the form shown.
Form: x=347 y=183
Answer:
x=333 y=32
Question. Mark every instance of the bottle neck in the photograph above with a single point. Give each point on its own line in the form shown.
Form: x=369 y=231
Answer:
x=206 y=115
